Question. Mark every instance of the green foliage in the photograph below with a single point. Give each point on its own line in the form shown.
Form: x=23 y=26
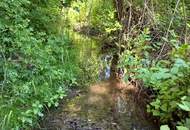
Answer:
x=164 y=127
x=157 y=53
x=171 y=84
x=137 y=54
x=37 y=65
x=44 y=15
x=185 y=104
x=95 y=13
x=103 y=16
x=168 y=78
x=182 y=128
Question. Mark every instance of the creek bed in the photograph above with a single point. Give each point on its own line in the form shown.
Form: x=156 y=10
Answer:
x=101 y=107
x=96 y=109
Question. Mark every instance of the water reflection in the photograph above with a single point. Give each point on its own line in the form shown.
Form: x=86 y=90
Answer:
x=105 y=69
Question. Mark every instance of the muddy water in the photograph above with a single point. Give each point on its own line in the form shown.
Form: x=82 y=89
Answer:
x=107 y=105
x=102 y=107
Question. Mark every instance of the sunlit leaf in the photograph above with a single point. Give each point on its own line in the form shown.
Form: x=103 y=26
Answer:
x=164 y=127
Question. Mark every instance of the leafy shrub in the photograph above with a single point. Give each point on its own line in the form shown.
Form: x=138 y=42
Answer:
x=37 y=65
x=168 y=78
x=171 y=85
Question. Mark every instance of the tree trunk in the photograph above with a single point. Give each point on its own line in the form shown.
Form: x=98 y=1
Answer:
x=119 y=9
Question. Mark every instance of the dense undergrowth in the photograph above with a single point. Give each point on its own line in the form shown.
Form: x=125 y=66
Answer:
x=168 y=82
x=159 y=59
x=37 y=61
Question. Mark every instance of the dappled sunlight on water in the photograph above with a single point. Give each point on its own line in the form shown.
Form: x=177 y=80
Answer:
x=102 y=107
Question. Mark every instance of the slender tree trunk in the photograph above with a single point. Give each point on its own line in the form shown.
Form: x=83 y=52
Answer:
x=114 y=64
x=119 y=9
x=119 y=6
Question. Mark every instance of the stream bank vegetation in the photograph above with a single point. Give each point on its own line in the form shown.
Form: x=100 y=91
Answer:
x=157 y=56
x=38 y=63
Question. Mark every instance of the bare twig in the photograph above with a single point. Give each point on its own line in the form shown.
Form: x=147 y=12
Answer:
x=185 y=19
x=167 y=33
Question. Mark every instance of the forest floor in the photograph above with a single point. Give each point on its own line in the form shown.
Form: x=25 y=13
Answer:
x=108 y=105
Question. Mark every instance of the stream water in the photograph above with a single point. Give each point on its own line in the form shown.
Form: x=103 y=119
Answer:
x=103 y=106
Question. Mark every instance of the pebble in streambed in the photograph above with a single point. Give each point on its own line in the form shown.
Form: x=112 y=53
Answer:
x=79 y=124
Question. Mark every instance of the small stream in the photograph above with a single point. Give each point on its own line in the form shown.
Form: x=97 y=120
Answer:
x=102 y=106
